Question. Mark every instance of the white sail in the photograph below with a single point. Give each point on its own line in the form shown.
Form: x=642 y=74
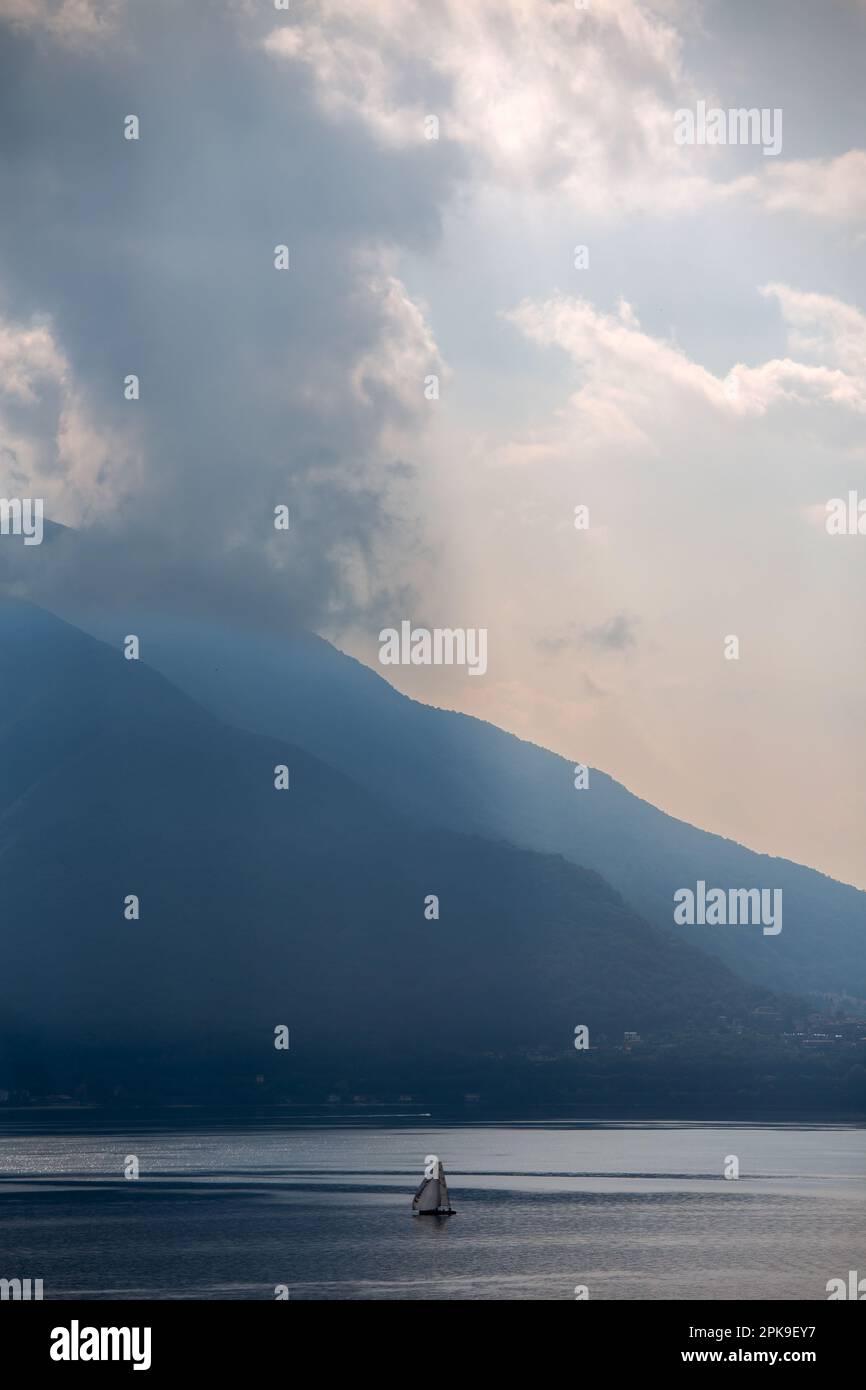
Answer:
x=427 y=1196
x=432 y=1196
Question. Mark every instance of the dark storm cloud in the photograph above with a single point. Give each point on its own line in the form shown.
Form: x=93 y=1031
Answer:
x=156 y=258
x=617 y=634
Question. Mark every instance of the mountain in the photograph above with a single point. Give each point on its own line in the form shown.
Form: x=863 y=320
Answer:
x=449 y=770
x=262 y=907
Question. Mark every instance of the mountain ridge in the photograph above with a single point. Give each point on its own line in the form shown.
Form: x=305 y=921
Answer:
x=448 y=768
x=259 y=908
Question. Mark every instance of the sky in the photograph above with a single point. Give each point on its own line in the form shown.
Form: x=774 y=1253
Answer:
x=697 y=381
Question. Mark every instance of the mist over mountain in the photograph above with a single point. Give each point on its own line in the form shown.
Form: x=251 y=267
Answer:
x=262 y=907
x=448 y=769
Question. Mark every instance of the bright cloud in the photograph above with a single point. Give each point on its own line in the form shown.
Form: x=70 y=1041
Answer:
x=833 y=189
x=627 y=372
x=50 y=445
x=548 y=94
x=581 y=100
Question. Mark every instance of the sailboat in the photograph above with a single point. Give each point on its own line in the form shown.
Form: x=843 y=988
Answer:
x=432 y=1198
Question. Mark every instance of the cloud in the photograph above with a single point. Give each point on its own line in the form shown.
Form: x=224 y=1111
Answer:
x=823 y=327
x=69 y=21
x=610 y=343
x=257 y=386
x=547 y=95
x=617 y=634
x=629 y=376
x=580 y=101
x=50 y=444
x=395 y=370
x=29 y=357
x=829 y=189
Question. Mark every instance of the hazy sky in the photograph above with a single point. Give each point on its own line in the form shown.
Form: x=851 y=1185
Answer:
x=700 y=385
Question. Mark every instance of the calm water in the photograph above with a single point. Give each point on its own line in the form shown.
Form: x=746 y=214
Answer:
x=632 y=1211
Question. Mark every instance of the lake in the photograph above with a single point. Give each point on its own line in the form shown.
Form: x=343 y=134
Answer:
x=231 y=1210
